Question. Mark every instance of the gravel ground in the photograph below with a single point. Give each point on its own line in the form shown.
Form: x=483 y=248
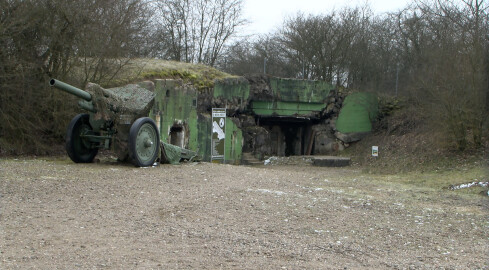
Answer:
x=60 y=215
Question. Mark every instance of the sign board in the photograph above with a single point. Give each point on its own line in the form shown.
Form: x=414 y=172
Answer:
x=375 y=151
x=218 y=137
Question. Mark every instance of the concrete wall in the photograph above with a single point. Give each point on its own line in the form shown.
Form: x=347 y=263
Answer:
x=179 y=122
x=294 y=98
x=301 y=91
x=176 y=108
x=265 y=116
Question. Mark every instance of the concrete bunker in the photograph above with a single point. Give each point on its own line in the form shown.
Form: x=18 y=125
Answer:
x=265 y=116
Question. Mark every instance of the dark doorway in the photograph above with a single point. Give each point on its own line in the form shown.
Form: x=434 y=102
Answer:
x=288 y=136
x=177 y=136
x=292 y=140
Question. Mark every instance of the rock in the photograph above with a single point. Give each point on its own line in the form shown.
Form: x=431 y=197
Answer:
x=329 y=108
x=339 y=147
x=339 y=101
x=256 y=140
x=148 y=85
x=332 y=123
x=247 y=120
x=350 y=137
x=324 y=144
x=323 y=128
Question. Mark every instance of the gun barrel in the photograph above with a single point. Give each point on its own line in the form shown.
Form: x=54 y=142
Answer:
x=70 y=89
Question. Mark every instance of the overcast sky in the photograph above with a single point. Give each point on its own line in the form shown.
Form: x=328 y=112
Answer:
x=267 y=15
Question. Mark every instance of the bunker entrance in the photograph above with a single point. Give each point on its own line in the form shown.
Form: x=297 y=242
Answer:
x=289 y=136
x=177 y=136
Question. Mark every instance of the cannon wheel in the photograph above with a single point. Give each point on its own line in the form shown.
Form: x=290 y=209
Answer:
x=79 y=149
x=144 y=142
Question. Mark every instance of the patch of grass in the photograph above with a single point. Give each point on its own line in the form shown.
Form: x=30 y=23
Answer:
x=410 y=150
x=415 y=165
x=411 y=153
x=442 y=179
x=136 y=70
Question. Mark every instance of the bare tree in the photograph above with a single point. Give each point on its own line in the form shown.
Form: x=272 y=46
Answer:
x=334 y=47
x=263 y=55
x=452 y=67
x=47 y=38
x=196 y=30
x=310 y=42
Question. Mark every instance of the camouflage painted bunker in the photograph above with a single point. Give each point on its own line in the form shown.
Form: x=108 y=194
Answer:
x=266 y=116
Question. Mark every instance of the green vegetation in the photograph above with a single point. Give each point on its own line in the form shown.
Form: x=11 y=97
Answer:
x=414 y=161
x=139 y=69
x=119 y=72
x=439 y=179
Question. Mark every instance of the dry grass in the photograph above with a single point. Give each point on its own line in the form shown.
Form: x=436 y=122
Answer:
x=139 y=69
x=411 y=160
x=414 y=152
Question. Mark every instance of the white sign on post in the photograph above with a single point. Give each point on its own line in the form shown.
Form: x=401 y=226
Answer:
x=218 y=137
x=375 y=151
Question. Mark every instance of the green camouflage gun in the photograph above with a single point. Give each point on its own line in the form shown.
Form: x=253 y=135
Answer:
x=117 y=120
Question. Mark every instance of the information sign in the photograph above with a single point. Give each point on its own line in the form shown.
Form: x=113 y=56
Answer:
x=218 y=138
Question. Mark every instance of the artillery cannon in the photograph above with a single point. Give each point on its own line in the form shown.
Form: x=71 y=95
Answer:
x=117 y=120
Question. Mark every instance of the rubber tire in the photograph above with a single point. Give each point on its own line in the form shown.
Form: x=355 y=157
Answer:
x=135 y=158
x=77 y=151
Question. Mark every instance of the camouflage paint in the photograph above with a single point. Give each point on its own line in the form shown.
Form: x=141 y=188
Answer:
x=358 y=112
x=204 y=125
x=294 y=98
x=112 y=113
x=232 y=88
x=234 y=139
x=280 y=108
x=234 y=143
x=176 y=104
x=303 y=91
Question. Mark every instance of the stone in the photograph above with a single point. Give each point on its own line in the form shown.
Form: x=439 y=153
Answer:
x=329 y=108
x=247 y=120
x=350 y=137
x=324 y=144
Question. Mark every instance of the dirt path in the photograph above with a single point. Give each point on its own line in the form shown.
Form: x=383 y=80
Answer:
x=55 y=214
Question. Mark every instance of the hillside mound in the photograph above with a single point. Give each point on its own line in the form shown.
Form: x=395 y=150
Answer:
x=121 y=72
x=407 y=143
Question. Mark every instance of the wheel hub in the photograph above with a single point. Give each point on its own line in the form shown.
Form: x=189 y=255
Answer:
x=148 y=143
